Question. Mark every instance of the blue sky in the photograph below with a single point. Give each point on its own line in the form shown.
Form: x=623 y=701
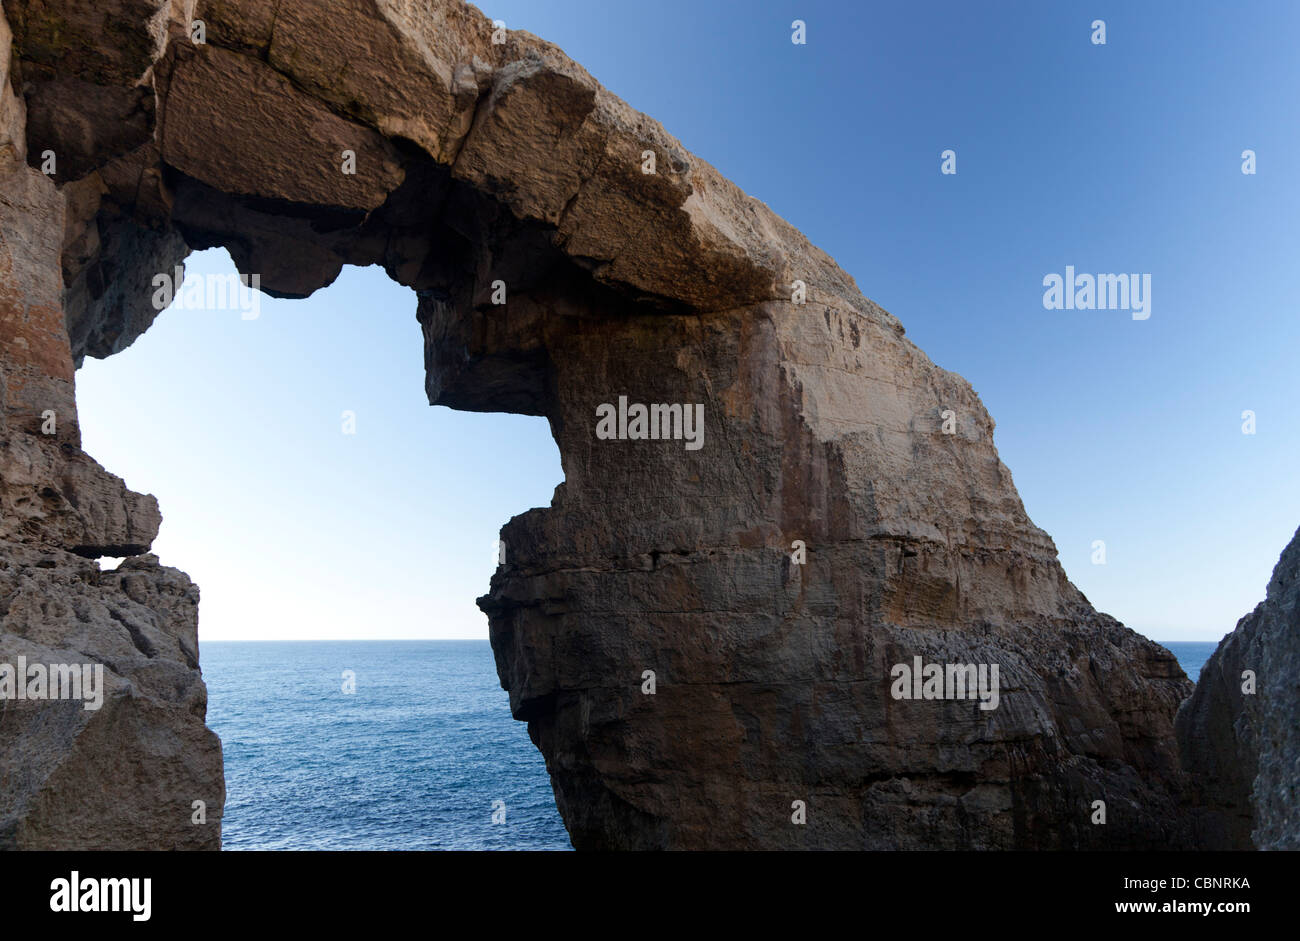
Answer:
x=1117 y=158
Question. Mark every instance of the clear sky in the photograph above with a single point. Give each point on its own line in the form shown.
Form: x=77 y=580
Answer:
x=1123 y=157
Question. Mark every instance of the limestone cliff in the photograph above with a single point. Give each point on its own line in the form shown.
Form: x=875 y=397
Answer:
x=1239 y=734
x=127 y=774
x=487 y=160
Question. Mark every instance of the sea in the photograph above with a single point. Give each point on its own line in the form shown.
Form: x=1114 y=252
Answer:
x=420 y=754
x=387 y=745
x=1191 y=654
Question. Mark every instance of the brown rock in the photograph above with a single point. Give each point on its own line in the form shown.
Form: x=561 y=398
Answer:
x=218 y=101
x=482 y=164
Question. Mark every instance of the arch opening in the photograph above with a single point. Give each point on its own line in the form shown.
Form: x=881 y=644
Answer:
x=314 y=496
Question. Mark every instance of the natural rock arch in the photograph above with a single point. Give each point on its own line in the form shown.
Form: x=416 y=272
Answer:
x=481 y=162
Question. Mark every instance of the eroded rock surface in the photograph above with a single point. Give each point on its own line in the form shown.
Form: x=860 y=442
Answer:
x=125 y=774
x=483 y=165
x=1239 y=733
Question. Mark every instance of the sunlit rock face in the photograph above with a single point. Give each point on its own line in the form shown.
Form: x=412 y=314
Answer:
x=705 y=630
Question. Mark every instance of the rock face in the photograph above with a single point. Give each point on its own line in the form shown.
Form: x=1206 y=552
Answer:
x=1238 y=733
x=843 y=512
x=124 y=775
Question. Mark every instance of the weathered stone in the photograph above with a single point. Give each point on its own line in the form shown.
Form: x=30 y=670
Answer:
x=124 y=775
x=84 y=125
x=13 y=118
x=773 y=677
x=219 y=101
x=1238 y=732
x=50 y=491
x=485 y=165
x=110 y=301
x=107 y=44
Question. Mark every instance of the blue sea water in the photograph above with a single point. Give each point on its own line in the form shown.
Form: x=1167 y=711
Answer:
x=416 y=758
x=1191 y=654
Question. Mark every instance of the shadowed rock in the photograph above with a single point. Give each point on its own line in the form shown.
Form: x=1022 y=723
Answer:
x=1238 y=732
